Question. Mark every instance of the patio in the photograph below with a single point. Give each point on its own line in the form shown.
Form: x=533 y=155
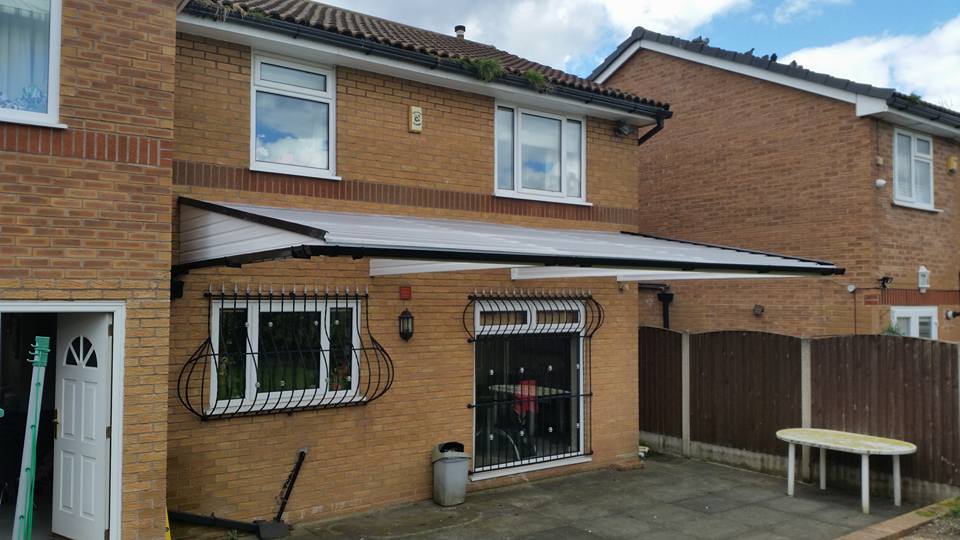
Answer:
x=670 y=498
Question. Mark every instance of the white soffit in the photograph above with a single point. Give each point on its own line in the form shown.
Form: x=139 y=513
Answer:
x=226 y=233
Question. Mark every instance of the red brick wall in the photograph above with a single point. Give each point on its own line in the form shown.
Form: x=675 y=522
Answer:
x=753 y=164
x=84 y=212
x=367 y=457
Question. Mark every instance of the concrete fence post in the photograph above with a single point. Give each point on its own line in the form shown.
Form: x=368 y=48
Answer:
x=685 y=391
x=806 y=408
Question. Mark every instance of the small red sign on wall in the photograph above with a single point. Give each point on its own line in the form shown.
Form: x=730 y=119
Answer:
x=406 y=293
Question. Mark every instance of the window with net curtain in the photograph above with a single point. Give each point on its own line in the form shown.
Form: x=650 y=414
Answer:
x=24 y=55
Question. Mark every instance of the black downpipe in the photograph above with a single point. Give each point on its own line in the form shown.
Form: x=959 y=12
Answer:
x=653 y=131
x=665 y=298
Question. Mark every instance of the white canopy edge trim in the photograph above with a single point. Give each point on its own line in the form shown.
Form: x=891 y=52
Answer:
x=622 y=274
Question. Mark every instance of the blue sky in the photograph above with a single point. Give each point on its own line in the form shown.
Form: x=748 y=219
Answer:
x=912 y=46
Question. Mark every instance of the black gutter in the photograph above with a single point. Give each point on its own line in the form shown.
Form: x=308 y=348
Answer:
x=358 y=252
x=921 y=108
x=427 y=60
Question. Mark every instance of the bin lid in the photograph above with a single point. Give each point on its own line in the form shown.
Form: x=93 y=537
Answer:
x=448 y=451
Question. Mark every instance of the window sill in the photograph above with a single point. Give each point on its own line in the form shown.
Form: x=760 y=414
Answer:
x=37 y=123
x=487 y=475
x=914 y=206
x=540 y=198
x=294 y=171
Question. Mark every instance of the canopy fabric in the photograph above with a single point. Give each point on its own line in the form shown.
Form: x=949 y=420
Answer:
x=217 y=233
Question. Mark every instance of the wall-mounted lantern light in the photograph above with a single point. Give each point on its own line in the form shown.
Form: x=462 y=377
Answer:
x=923 y=279
x=758 y=310
x=406 y=325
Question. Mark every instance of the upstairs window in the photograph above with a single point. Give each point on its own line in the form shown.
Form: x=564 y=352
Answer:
x=539 y=155
x=29 y=60
x=918 y=322
x=913 y=169
x=293 y=111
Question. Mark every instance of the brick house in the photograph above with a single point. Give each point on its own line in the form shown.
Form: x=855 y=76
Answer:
x=774 y=156
x=256 y=227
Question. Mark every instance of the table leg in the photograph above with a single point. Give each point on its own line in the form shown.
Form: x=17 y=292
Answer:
x=865 y=483
x=823 y=468
x=896 y=480
x=791 y=458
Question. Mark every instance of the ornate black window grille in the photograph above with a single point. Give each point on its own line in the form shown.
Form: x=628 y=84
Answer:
x=271 y=353
x=532 y=378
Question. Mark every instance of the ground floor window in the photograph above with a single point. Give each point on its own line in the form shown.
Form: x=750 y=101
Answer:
x=920 y=322
x=532 y=379
x=273 y=352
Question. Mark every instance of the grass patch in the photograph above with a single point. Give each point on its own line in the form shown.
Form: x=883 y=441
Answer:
x=485 y=69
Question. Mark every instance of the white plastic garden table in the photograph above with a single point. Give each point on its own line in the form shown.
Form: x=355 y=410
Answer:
x=854 y=443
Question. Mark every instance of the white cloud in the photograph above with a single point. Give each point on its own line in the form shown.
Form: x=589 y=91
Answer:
x=793 y=10
x=558 y=33
x=927 y=64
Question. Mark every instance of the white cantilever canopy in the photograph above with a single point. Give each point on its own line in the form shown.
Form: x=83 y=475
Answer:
x=213 y=234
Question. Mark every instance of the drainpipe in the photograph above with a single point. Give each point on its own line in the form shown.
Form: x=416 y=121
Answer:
x=653 y=131
x=665 y=298
x=663 y=295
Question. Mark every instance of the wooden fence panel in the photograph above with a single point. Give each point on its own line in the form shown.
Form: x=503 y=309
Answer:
x=890 y=386
x=744 y=386
x=660 y=381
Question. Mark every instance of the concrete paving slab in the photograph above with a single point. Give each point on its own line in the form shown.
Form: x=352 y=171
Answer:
x=669 y=498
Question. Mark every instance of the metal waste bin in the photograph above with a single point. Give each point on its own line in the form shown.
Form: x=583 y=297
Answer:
x=450 y=466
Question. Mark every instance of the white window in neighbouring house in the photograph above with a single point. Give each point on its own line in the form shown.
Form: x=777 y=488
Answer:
x=284 y=354
x=540 y=155
x=29 y=61
x=918 y=322
x=293 y=113
x=913 y=169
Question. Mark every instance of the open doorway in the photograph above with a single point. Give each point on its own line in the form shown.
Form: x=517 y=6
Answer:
x=73 y=482
x=17 y=332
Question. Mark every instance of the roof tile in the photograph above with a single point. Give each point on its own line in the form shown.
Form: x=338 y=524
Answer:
x=342 y=21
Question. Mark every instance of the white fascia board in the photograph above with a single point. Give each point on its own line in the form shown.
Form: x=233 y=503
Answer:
x=627 y=274
x=917 y=123
x=314 y=51
x=691 y=276
x=620 y=60
x=727 y=65
x=397 y=267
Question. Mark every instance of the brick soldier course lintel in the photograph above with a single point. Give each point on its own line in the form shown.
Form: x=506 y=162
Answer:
x=188 y=173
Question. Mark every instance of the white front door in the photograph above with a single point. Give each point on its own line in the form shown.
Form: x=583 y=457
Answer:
x=81 y=447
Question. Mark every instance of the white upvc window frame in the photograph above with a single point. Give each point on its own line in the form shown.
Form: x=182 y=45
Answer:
x=912 y=201
x=913 y=313
x=518 y=191
x=329 y=97
x=292 y=398
x=529 y=328
x=51 y=118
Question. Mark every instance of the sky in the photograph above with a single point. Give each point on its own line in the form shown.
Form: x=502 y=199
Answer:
x=911 y=46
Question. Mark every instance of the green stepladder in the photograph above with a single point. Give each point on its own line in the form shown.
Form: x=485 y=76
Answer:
x=23 y=519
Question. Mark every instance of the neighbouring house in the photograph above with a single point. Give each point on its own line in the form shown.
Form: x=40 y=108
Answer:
x=773 y=156
x=257 y=227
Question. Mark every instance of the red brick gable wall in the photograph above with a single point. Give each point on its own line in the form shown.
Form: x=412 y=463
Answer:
x=754 y=164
